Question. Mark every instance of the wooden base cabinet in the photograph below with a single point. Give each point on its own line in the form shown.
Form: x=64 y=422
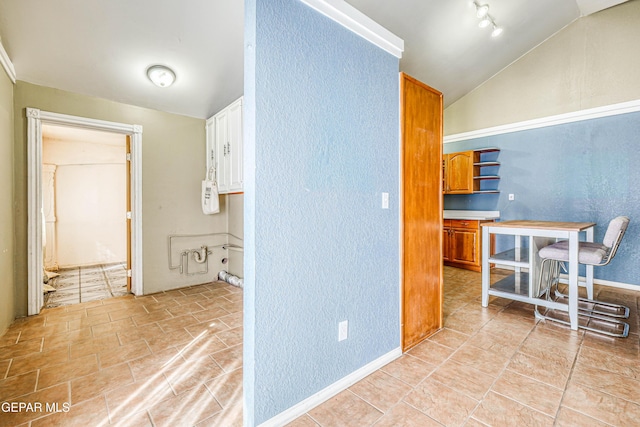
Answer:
x=421 y=128
x=462 y=243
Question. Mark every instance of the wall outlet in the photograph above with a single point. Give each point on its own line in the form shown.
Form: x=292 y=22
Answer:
x=343 y=330
x=512 y=196
x=385 y=200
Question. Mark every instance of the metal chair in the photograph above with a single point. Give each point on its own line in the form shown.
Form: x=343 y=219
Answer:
x=596 y=254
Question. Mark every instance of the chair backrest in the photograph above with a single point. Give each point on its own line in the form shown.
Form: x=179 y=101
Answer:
x=616 y=229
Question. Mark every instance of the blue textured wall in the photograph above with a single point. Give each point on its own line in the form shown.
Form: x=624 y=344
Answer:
x=319 y=248
x=582 y=171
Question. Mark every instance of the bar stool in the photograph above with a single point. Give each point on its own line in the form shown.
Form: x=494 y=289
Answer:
x=596 y=254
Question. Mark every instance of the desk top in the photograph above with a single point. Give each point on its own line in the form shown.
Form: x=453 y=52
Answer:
x=543 y=225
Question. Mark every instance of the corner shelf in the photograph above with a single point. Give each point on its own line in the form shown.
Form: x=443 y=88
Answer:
x=478 y=165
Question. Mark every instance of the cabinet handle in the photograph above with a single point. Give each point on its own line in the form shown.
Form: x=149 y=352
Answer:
x=228 y=148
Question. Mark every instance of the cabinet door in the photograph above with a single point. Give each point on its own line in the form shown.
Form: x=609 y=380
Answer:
x=210 y=132
x=459 y=169
x=446 y=247
x=221 y=144
x=463 y=246
x=234 y=148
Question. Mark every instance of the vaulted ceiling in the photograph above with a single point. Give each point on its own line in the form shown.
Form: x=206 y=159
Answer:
x=103 y=48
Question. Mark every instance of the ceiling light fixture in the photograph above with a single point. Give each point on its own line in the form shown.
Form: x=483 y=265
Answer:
x=486 y=20
x=481 y=10
x=161 y=76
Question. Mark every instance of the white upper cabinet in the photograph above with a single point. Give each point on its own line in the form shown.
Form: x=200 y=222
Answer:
x=224 y=147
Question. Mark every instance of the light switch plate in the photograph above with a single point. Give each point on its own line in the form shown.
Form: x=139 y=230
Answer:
x=385 y=200
x=343 y=330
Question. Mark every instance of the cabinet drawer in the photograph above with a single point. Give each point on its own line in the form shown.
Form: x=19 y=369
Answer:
x=446 y=223
x=464 y=223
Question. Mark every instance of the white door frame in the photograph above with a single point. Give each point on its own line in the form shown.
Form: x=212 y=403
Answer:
x=35 y=119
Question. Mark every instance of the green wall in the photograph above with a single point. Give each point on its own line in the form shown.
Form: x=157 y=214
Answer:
x=7 y=308
x=173 y=165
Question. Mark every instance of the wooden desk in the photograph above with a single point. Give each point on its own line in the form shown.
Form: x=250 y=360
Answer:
x=521 y=286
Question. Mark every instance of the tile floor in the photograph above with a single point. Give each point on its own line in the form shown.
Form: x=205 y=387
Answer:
x=168 y=359
x=496 y=366
x=175 y=359
x=83 y=284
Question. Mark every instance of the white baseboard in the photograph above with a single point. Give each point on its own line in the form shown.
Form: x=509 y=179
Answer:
x=327 y=393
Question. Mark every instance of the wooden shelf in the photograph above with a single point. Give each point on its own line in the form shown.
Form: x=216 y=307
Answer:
x=463 y=172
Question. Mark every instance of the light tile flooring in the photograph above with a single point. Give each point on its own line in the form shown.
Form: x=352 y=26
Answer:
x=84 y=284
x=168 y=359
x=175 y=358
x=496 y=366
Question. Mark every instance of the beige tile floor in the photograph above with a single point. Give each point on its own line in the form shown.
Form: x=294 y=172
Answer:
x=174 y=359
x=497 y=366
x=168 y=359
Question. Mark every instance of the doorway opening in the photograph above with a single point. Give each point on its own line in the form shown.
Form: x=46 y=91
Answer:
x=85 y=199
x=41 y=125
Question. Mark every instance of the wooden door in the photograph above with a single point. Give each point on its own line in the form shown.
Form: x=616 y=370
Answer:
x=421 y=128
x=463 y=246
x=446 y=239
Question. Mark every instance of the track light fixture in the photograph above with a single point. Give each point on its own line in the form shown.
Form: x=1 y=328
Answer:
x=481 y=10
x=486 y=20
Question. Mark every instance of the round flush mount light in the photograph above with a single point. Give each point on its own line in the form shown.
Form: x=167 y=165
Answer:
x=161 y=76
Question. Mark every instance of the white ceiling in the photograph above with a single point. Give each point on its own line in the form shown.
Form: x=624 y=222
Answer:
x=103 y=48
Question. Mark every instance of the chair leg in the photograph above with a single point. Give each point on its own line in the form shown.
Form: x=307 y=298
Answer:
x=550 y=278
x=590 y=306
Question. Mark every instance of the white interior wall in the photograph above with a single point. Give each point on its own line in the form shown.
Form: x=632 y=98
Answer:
x=90 y=199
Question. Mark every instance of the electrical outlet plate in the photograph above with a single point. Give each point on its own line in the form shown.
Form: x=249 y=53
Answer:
x=512 y=196
x=343 y=330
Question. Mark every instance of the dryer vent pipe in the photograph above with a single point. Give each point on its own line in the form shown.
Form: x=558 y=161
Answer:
x=231 y=279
